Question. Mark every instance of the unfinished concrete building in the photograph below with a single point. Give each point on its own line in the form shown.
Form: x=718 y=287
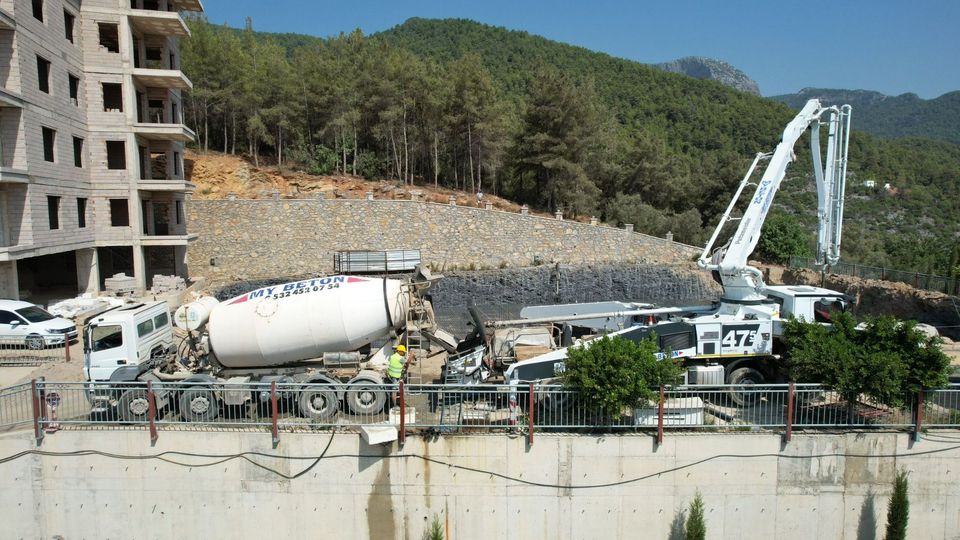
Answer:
x=91 y=144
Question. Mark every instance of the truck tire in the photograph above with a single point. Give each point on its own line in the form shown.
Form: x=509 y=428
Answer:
x=365 y=397
x=199 y=404
x=747 y=377
x=134 y=406
x=318 y=403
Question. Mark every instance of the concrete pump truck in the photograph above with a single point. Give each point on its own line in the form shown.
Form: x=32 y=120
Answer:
x=735 y=340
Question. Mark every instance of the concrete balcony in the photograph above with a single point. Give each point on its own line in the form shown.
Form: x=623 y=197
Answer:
x=188 y=5
x=172 y=185
x=168 y=239
x=158 y=23
x=10 y=99
x=161 y=78
x=9 y=175
x=164 y=132
x=6 y=21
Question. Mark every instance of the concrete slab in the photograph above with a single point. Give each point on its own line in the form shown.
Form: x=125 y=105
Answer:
x=379 y=434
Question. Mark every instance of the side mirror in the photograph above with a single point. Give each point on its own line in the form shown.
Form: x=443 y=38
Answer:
x=14 y=324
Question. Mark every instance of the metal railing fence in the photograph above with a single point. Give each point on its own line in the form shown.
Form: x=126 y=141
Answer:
x=48 y=406
x=930 y=282
x=33 y=350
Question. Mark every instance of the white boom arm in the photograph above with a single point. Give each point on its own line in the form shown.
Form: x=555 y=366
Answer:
x=744 y=283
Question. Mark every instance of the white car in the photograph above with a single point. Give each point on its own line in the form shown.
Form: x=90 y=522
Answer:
x=22 y=323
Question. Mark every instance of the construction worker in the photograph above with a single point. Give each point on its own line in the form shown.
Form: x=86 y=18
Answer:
x=395 y=367
x=396 y=364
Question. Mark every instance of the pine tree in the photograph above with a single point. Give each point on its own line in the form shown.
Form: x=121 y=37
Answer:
x=696 y=525
x=898 y=513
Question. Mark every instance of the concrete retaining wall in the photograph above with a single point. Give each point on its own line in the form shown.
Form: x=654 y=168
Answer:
x=252 y=239
x=805 y=492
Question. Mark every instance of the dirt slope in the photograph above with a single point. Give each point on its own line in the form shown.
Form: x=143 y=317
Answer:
x=217 y=175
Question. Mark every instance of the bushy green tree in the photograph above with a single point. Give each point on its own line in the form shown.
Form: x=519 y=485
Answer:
x=898 y=513
x=783 y=236
x=696 y=523
x=616 y=373
x=886 y=360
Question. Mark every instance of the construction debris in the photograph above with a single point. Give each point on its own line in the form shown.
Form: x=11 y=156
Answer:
x=165 y=284
x=82 y=306
x=120 y=284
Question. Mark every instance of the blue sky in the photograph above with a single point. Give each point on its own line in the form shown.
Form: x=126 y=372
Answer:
x=885 y=45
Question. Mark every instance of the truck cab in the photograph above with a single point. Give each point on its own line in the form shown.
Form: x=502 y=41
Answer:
x=119 y=343
x=804 y=302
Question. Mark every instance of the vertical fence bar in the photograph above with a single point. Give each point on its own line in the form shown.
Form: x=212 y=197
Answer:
x=66 y=348
x=152 y=413
x=918 y=418
x=274 y=414
x=37 y=432
x=790 y=399
x=403 y=418
x=660 y=417
x=530 y=415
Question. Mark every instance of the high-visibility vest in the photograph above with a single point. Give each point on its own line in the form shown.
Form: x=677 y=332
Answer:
x=395 y=366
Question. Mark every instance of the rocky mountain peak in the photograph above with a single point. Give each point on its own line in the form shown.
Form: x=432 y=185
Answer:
x=699 y=67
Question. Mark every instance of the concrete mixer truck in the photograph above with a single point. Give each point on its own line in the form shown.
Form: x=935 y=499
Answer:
x=297 y=334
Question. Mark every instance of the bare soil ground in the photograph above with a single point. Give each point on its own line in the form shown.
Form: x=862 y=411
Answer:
x=216 y=175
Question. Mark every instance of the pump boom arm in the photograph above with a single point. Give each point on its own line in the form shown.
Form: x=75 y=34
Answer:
x=743 y=282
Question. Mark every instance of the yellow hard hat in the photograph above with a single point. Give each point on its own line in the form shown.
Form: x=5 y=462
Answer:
x=401 y=349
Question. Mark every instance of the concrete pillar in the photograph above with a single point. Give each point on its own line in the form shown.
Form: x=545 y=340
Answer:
x=180 y=261
x=416 y=195
x=368 y=195
x=594 y=221
x=524 y=210
x=275 y=195
x=453 y=200
x=669 y=236
x=488 y=205
x=628 y=227
x=88 y=271
x=558 y=214
x=9 y=281
x=140 y=267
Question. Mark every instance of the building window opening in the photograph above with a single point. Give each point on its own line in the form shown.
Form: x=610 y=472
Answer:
x=112 y=97
x=74 y=89
x=69 y=21
x=81 y=212
x=77 y=152
x=119 y=213
x=43 y=74
x=109 y=37
x=38 y=10
x=53 y=212
x=49 y=140
x=116 y=155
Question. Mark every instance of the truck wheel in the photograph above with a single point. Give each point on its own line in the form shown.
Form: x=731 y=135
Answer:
x=134 y=406
x=317 y=403
x=35 y=342
x=365 y=398
x=746 y=377
x=198 y=405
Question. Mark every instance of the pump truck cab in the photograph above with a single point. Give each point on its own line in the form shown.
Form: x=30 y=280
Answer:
x=297 y=334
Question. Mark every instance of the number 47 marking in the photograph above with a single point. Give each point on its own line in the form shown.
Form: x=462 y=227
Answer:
x=739 y=338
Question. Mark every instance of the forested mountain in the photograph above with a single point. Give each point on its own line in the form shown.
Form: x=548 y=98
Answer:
x=471 y=106
x=906 y=115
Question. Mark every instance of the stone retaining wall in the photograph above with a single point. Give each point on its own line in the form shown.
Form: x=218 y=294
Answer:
x=251 y=239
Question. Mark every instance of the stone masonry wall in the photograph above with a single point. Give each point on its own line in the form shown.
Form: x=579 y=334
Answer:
x=252 y=239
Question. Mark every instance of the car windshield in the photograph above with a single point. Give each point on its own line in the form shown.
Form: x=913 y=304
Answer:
x=34 y=314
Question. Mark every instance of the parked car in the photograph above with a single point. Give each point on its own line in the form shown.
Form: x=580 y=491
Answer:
x=22 y=323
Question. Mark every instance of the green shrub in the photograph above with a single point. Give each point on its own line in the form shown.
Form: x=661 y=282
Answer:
x=616 y=373
x=898 y=513
x=696 y=524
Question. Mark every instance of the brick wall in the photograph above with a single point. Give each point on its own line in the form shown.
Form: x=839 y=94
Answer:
x=251 y=239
